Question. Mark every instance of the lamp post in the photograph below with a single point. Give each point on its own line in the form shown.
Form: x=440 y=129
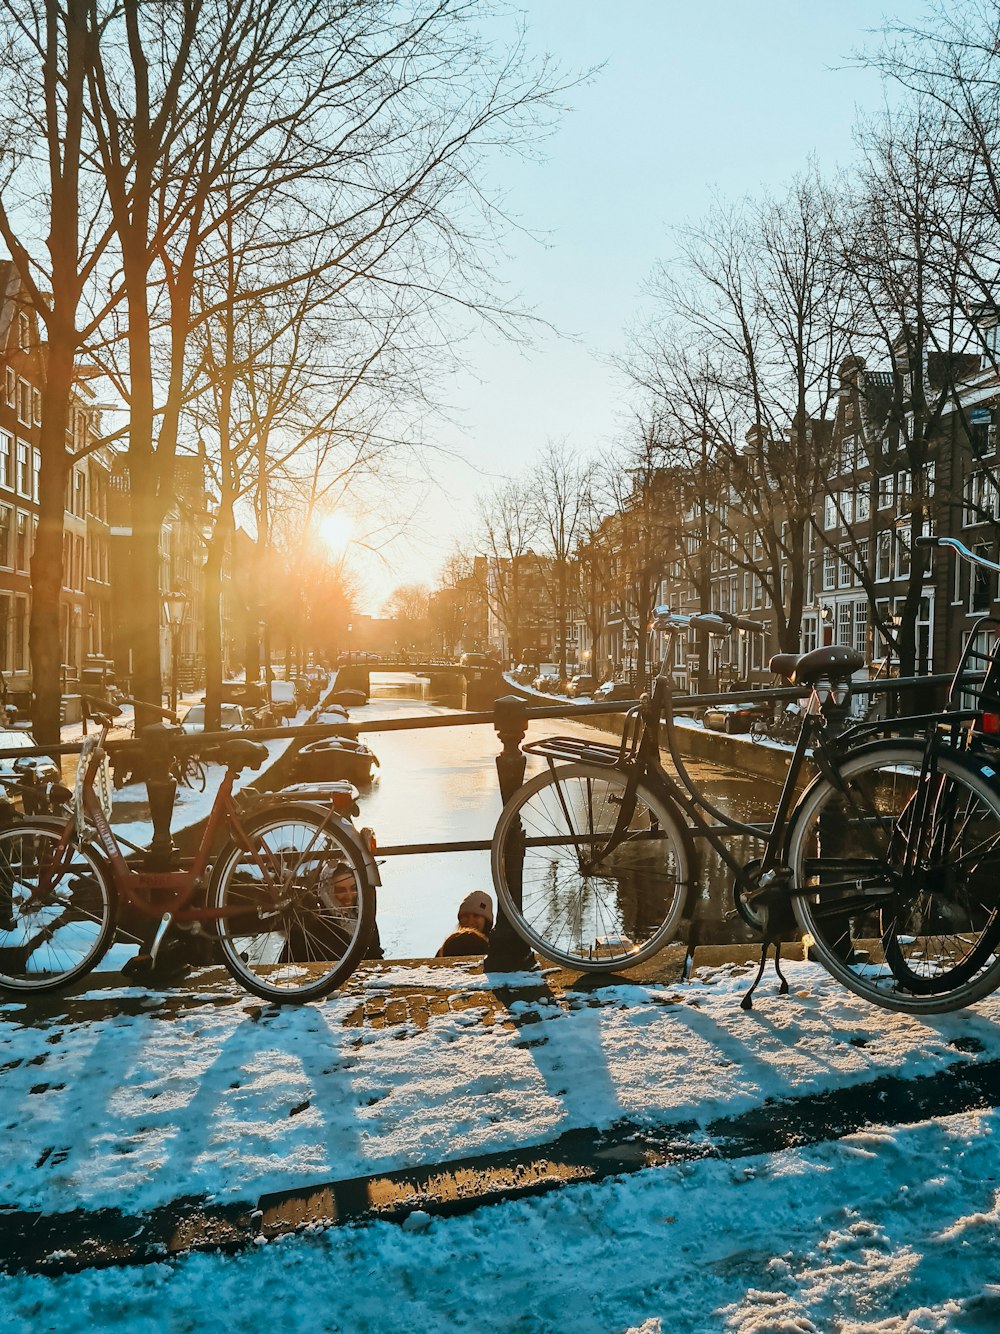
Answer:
x=175 y=607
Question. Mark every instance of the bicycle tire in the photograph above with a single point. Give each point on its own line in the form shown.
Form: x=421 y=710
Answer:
x=304 y=945
x=759 y=730
x=60 y=936
x=936 y=905
x=598 y=919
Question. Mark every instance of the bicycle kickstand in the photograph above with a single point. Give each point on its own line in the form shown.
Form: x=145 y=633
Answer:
x=747 y=1002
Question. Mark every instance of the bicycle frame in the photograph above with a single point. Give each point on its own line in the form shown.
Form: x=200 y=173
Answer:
x=645 y=764
x=181 y=884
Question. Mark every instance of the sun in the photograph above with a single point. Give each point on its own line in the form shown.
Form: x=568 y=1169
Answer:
x=335 y=532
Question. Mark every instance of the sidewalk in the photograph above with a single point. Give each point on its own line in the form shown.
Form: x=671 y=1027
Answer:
x=649 y=1151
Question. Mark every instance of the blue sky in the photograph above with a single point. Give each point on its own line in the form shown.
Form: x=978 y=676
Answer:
x=694 y=100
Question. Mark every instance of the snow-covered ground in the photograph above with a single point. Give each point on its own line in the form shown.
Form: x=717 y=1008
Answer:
x=892 y=1230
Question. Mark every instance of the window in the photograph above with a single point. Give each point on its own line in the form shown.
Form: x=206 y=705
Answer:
x=861 y=627
x=902 y=555
x=79 y=493
x=23 y=469
x=887 y=491
x=809 y=641
x=883 y=556
x=844 y=623
x=845 y=575
x=929 y=473
x=20 y=644
x=22 y=546
x=829 y=570
x=36 y=469
x=847 y=507
x=5 y=627
x=6 y=515
x=10 y=387
x=981 y=582
x=979 y=496
x=830 y=516
x=863 y=502
x=24 y=402
x=847 y=454
x=23 y=332
x=6 y=461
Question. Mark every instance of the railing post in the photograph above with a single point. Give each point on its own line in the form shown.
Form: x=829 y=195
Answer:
x=508 y=952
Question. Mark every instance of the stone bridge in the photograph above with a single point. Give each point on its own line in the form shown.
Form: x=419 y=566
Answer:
x=481 y=685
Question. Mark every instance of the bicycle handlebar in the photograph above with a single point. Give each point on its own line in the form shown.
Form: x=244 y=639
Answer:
x=959 y=548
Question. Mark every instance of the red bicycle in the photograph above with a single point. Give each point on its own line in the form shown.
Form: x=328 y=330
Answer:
x=290 y=894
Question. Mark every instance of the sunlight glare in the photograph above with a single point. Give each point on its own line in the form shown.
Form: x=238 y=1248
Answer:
x=335 y=532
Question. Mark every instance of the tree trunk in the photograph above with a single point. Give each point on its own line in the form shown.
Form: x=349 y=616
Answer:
x=47 y=557
x=212 y=585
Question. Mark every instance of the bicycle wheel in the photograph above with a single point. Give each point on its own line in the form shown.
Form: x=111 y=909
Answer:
x=58 y=908
x=896 y=878
x=296 y=907
x=598 y=915
x=759 y=730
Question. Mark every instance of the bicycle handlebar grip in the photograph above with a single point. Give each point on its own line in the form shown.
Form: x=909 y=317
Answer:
x=741 y=622
x=926 y=540
x=169 y=714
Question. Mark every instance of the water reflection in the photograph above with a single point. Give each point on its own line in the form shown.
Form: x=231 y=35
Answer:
x=440 y=784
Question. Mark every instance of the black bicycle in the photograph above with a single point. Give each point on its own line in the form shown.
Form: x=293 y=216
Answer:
x=886 y=864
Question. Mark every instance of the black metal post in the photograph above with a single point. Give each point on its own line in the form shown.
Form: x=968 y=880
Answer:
x=161 y=789
x=508 y=952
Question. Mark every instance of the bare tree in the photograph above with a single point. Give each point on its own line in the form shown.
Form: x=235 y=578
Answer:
x=508 y=526
x=360 y=129
x=742 y=357
x=54 y=222
x=561 y=485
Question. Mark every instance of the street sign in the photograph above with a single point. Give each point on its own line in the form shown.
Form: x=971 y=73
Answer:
x=980 y=416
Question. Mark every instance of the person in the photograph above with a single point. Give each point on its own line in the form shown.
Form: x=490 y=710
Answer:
x=475 y=922
x=341 y=892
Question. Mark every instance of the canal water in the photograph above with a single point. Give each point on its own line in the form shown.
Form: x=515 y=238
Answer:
x=440 y=785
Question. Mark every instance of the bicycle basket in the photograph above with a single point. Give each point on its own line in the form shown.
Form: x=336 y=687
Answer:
x=103 y=783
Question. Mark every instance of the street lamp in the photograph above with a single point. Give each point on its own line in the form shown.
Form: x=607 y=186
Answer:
x=175 y=607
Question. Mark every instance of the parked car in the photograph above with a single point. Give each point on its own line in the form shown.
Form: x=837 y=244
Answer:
x=581 y=684
x=733 y=718
x=233 y=718
x=612 y=690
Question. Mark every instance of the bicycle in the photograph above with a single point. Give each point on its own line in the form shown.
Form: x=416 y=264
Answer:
x=783 y=726
x=289 y=895
x=886 y=863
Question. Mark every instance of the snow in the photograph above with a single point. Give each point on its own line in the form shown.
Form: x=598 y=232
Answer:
x=893 y=1230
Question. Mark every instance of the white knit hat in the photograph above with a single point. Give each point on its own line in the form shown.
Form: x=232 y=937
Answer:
x=478 y=902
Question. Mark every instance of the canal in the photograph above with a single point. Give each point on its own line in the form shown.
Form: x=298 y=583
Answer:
x=440 y=785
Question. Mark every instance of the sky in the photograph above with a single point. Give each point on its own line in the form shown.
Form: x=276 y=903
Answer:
x=692 y=102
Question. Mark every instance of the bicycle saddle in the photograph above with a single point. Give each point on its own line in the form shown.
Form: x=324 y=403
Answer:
x=239 y=753
x=835 y=661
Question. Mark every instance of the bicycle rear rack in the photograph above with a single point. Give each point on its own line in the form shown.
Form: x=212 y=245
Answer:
x=575 y=751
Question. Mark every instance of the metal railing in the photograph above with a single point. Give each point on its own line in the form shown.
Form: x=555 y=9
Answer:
x=510 y=716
